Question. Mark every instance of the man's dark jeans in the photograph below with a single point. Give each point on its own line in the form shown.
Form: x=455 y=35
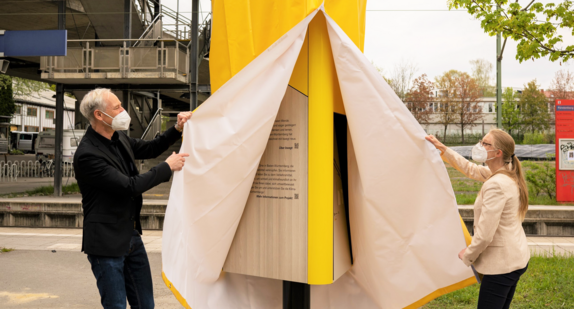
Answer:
x=127 y=276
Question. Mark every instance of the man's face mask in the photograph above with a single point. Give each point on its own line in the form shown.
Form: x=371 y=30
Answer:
x=120 y=122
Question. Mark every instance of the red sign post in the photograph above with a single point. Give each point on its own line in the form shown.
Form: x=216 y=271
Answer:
x=564 y=150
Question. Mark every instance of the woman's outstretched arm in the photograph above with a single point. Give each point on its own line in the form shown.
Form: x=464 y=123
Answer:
x=469 y=169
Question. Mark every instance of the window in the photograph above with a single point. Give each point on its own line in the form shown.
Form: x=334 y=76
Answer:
x=32 y=129
x=49 y=114
x=32 y=111
x=48 y=129
x=490 y=108
x=25 y=137
x=18 y=109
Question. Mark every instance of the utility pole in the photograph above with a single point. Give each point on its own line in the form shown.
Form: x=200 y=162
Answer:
x=59 y=114
x=193 y=84
x=498 y=80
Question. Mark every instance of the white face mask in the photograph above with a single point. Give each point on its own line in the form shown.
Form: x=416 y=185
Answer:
x=479 y=154
x=120 y=122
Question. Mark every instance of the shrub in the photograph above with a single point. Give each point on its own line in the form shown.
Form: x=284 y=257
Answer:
x=456 y=138
x=538 y=138
x=533 y=138
x=16 y=152
x=541 y=178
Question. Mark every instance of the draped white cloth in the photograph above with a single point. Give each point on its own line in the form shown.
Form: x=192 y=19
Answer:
x=405 y=227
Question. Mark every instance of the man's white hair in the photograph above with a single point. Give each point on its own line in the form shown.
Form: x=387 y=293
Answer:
x=95 y=99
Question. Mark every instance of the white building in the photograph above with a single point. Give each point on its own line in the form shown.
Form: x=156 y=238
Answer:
x=37 y=112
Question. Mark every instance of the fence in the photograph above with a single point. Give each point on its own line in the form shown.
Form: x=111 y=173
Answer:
x=519 y=138
x=10 y=171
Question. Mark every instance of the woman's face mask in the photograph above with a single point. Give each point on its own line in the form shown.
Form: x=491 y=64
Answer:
x=480 y=154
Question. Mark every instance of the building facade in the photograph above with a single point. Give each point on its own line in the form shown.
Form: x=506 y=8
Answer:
x=37 y=112
x=486 y=105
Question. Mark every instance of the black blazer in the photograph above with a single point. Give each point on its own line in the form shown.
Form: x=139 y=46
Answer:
x=111 y=199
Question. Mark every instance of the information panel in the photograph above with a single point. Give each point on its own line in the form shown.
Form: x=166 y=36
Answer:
x=564 y=150
x=271 y=240
x=566 y=156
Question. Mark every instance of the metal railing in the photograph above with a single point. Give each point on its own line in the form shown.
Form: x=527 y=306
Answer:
x=120 y=59
x=10 y=171
x=154 y=127
x=151 y=132
x=153 y=31
x=174 y=23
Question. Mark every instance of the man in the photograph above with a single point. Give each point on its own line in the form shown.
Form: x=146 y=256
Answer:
x=112 y=189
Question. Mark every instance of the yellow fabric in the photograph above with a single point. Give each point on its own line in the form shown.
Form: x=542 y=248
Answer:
x=175 y=292
x=242 y=29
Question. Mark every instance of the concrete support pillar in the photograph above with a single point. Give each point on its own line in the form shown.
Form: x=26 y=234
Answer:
x=541 y=228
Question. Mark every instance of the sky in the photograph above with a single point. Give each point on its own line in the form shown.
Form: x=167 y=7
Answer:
x=436 y=40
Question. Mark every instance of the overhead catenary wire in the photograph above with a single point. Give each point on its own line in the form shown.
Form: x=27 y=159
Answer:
x=189 y=12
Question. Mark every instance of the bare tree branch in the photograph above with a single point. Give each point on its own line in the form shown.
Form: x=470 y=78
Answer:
x=526 y=7
x=502 y=50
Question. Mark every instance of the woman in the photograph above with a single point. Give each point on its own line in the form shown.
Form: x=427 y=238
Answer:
x=499 y=248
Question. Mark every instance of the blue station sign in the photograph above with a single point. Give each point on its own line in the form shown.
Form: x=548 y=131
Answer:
x=33 y=43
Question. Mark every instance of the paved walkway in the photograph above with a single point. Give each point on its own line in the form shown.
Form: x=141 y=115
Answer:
x=71 y=240
x=59 y=239
x=47 y=269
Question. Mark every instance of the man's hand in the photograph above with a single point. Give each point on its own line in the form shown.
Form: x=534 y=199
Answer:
x=182 y=118
x=461 y=253
x=176 y=161
x=440 y=146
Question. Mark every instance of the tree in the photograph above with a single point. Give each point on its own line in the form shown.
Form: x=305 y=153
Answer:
x=418 y=99
x=22 y=86
x=461 y=97
x=467 y=93
x=446 y=111
x=381 y=71
x=537 y=35
x=402 y=77
x=510 y=112
x=7 y=106
x=562 y=85
x=534 y=108
x=482 y=73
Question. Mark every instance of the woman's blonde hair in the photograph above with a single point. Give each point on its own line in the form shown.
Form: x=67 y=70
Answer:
x=503 y=141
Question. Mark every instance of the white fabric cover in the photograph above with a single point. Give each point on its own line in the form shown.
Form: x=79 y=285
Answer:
x=405 y=227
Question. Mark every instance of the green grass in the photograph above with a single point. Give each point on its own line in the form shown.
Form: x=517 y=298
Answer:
x=44 y=191
x=465 y=199
x=546 y=284
x=4 y=250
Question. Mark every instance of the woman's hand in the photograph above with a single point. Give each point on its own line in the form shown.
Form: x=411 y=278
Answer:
x=461 y=253
x=440 y=146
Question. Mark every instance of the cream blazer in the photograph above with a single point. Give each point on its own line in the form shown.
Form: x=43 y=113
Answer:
x=499 y=244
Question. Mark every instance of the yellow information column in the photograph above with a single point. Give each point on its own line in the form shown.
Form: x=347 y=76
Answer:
x=295 y=238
